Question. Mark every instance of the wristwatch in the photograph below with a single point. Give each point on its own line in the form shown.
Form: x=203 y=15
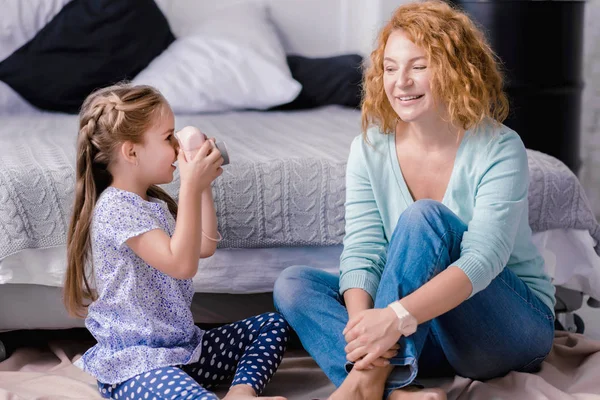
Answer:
x=407 y=324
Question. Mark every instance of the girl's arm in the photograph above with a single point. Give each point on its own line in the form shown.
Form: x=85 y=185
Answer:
x=210 y=235
x=178 y=256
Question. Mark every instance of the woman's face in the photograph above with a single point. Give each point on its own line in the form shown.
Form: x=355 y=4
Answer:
x=406 y=78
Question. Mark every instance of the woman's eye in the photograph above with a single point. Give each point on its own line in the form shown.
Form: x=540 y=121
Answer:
x=419 y=67
x=168 y=139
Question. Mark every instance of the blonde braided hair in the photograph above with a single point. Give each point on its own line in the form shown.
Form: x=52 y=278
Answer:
x=108 y=117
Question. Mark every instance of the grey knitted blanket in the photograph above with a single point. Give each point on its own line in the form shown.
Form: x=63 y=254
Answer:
x=290 y=200
x=301 y=202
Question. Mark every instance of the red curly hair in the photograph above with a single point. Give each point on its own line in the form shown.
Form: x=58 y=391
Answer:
x=465 y=77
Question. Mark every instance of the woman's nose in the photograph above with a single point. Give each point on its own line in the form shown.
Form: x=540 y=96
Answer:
x=404 y=80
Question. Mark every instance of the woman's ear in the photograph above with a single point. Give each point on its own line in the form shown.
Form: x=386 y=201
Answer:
x=128 y=152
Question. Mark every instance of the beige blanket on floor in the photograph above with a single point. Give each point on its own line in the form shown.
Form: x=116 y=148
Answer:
x=572 y=371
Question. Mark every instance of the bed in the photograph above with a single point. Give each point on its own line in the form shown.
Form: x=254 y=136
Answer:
x=279 y=203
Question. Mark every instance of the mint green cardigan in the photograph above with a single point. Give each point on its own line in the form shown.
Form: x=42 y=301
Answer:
x=487 y=190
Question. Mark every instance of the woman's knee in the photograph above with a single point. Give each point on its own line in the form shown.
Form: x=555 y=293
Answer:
x=426 y=239
x=428 y=217
x=424 y=211
x=289 y=287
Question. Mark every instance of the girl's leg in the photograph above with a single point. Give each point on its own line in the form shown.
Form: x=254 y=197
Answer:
x=158 y=384
x=503 y=328
x=250 y=350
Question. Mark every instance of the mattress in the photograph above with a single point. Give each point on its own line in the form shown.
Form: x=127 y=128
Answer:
x=235 y=271
x=569 y=255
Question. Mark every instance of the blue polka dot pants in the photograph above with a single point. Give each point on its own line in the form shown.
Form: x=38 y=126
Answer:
x=250 y=351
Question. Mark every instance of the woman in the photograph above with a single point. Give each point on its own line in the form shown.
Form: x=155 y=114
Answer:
x=439 y=275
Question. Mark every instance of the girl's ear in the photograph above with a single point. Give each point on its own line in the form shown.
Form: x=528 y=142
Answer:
x=128 y=152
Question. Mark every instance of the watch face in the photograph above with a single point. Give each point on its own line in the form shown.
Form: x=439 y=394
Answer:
x=408 y=325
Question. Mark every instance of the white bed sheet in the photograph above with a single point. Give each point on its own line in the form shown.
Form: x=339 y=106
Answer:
x=569 y=254
x=237 y=271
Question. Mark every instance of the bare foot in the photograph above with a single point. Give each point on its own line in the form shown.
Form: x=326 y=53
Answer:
x=245 y=392
x=413 y=393
x=362 y=385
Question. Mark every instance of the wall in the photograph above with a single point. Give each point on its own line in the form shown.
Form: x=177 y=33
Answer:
x=590 y=119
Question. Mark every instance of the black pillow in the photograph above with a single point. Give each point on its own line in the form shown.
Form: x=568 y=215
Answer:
x=326 y=81
x=87 y=45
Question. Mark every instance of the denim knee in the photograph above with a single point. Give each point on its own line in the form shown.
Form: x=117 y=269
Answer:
x=424 y=210
x=427 y=216
x=429 y=229
x=288 y=288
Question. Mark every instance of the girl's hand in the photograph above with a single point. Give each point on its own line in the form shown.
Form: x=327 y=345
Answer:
x=201 y=170
x=370 y=334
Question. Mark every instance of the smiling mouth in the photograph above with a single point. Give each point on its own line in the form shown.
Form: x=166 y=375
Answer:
x=409 y=98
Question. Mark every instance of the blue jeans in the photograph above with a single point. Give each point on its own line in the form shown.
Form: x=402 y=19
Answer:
x=503 y=328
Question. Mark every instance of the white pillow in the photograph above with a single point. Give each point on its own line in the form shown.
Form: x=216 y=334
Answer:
x=247 y=23
x=11 y=103
x=199 y=74
x=21 y=20
x=224 y=58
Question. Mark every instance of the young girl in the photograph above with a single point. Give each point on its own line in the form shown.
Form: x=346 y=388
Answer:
x=144 y=253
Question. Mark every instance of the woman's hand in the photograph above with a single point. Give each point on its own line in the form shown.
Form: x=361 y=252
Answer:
x=370 y=335
x=384 y=360
x=201 y=170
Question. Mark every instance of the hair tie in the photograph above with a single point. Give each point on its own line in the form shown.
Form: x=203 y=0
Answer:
x=213 y=239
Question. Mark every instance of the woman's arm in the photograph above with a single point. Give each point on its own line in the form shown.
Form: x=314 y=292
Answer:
x=365 y=246
x=378 y=328
x=441 y=294
x=500 y=203
x=209 y=225
x=357 y=300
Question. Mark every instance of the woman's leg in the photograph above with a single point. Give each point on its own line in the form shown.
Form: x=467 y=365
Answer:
x=505 y=327
x=250 y=350
x=158 y=384
x=309 y=300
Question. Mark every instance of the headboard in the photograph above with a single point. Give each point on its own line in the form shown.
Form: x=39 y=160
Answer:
x=307 y=27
